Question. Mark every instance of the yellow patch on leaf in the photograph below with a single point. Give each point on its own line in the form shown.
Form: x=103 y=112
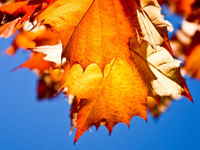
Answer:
x=115 y=97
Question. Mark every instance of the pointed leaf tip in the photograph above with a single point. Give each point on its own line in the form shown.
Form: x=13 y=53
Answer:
x=186 y=93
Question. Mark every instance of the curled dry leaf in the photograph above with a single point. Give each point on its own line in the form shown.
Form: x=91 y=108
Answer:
x=159 y=67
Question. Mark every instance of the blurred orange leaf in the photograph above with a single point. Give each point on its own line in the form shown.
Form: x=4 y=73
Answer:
x=192 y=65
x=36 y=62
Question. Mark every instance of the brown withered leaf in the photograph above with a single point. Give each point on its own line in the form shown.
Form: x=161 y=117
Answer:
x=159 y=68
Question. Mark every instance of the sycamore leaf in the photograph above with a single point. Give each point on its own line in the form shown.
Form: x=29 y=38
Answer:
x=91 y=30
x=124 y=39
x=100 y=33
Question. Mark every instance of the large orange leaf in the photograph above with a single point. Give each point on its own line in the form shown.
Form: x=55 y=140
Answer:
x=98 y=31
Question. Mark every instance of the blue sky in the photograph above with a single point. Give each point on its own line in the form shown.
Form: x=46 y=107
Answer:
x=26 y=124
